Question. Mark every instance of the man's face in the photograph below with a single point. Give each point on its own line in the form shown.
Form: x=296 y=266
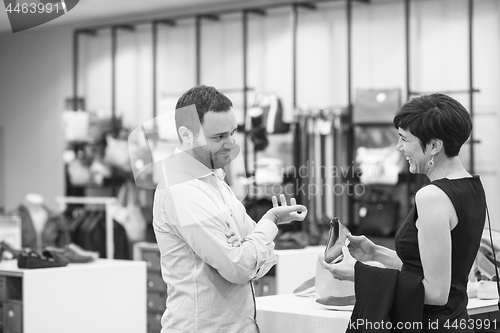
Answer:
x=216 y=140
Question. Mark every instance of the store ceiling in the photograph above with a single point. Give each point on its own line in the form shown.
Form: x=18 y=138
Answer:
x=97 y=12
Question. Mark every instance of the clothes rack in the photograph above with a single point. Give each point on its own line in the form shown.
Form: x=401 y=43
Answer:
x=107 y=202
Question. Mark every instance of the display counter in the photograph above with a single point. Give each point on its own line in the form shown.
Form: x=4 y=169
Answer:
x=288 y=277
x=296 y=314
x=102 y=296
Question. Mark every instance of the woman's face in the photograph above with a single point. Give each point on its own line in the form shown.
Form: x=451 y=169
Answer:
x=409 y=145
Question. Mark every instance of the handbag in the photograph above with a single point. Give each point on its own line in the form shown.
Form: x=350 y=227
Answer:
x=79 y=172
x=378 y=215
x=379 y=165
x=129 y=214
x=376 y=106
x=76 y=126
x=116 y=153
x=328 y=286
x=330 y=291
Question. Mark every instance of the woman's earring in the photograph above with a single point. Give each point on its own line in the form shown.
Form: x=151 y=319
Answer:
x=430 y=164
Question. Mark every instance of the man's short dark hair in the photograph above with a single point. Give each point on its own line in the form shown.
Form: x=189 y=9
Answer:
x=436 y=116
x=205 y=99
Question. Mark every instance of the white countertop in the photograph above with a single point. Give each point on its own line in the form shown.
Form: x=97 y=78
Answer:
x=290 y=314
x=9 y=267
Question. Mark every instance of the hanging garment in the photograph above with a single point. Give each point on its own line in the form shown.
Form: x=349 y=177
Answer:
x=312 y=189
x=303 y=158
x=90 y=234
x=54 y=233
x=310 y=172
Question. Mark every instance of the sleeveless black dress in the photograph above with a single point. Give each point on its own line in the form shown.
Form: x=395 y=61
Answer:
x=468 y=198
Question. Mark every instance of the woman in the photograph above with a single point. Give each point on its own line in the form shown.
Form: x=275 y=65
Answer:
x=439 y=240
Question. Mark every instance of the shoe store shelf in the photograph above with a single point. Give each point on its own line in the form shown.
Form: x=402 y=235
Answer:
x=156 y=288
x=79 y=298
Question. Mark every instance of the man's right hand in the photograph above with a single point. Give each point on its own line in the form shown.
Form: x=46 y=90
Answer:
x=285 y=214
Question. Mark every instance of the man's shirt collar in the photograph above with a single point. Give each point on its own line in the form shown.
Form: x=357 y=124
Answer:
x=182 y=167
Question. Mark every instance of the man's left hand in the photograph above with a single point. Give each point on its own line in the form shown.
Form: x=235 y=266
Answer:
x=285 y=214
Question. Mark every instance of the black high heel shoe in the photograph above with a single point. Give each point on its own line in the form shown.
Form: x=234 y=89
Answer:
x=336 y=239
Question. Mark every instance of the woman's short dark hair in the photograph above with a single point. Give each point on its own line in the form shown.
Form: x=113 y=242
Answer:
x=205 y=99
x=436 y=116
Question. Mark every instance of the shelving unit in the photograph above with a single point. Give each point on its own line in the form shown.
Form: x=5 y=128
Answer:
x=156 y=288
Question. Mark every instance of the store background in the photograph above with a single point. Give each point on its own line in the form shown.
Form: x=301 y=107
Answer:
x=36 y=72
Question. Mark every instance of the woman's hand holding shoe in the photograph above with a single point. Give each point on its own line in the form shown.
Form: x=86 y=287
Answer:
x=285 y=214
x=344 y=270
x=361 y=248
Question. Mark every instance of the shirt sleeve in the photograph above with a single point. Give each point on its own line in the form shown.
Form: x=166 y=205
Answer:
x=203 y=228
x=268 y=227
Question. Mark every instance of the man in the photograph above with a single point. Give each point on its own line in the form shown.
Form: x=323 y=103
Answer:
x=211 y=250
